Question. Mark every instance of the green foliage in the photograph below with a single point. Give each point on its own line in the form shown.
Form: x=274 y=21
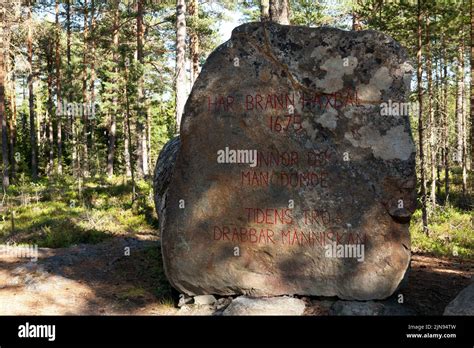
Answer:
x=59 y=214
x=451 y=233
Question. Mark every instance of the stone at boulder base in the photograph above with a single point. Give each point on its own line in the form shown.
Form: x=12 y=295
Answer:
x=294 y=172
x=204 y=300
x=265 y=306
x=463 y=303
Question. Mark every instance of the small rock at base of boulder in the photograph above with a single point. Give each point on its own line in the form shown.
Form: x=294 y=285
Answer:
x=184 y=299
x=463 y=303
x=244 y=305
x=369 y=308
x=190 y=309
x=203 y=300
x=222 y=303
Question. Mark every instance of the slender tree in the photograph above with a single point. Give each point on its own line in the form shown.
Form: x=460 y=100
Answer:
x=180 y=84
x=193 y=11
x=31 y=98
x=3 y=117
x=58 y=90
x=419 y=73
x=85 y=94
x=141 y=112
x=472 y=89
x=113 y=118
x=431 y=123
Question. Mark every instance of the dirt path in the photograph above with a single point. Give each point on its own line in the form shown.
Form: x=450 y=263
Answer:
x=101 y=279
x=86 y=280
x=433 y=282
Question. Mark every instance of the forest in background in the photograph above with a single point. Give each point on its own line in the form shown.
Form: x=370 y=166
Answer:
x=91 y=90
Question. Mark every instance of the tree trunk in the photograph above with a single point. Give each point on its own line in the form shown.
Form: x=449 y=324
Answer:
x=431 y=121
x=437 y=120
x=85 y=96
x=280 y=11
x=58 y=91
x=180 y=85
x=419 y=73
x=72 y=121
x=445 y=123
x=472 y=89
x=129 y=136
x=148 y=132
x=459 y=158
x=3 y=116
x=13 y=124
x=49 y=62
x=464 y=146
x=31 y=100
x=461 y=115
x=68 y=32
x=113 y=116
x=264 y=10
x=193 y=11
x=91 y=107
x=356 y=24
x=141 y=112
x=126 y=147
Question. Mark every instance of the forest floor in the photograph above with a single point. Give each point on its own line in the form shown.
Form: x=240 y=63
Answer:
x=99 y=252
x=101 y=279
x=88 y=279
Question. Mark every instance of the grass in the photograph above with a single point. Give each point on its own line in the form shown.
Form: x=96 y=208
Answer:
x=450 y=223
x=450 y=232
x=63 y=212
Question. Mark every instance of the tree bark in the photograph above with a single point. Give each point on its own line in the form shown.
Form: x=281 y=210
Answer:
x=180 y=84
x=3 y=116
x=129 y=136
x=49 y=64
x=193 y=11
x=113 y=117
x=280 y=11
x=472 y=89
x=85 y=96
x=264 y=10
x=58 y=91
x=141 y=112
x=445 y=123
x=13 y=120
x=419 y=73
x=91 y=138
x=31 y=100
x=431 y=121
x=459 y=105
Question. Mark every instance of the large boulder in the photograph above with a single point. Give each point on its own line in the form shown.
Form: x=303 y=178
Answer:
x=162 y=176
x=296 y=168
